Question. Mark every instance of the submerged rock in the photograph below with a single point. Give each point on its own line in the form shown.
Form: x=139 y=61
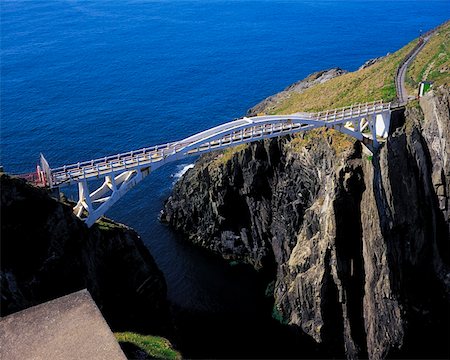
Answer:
x=47 y=252
x=359 y=247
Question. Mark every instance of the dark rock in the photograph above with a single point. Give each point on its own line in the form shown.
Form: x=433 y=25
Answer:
x=359 y=248
x=407 y=286
x=47 y=252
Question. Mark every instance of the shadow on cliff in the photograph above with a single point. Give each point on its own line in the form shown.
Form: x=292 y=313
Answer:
x=47 y=252
x=252 y=334
x=414 y=232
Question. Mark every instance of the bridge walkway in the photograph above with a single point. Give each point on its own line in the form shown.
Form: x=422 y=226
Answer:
x=243 y=130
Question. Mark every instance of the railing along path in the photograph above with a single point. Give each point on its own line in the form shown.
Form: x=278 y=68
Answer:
x=246 y=129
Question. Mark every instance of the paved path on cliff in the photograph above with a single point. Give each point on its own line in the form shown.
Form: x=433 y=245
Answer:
x=402 y=94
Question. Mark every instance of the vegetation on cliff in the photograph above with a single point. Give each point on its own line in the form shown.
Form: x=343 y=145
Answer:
x=376 y=82
x=360 y=247
x=372 y=83
x=369 y=83
x=433 y=62
x=155 y=347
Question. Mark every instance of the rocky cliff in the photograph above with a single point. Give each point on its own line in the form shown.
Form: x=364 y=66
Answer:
x=358 y=246
x=47 y=252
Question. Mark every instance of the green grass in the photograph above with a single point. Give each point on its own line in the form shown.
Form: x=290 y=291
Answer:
x=155 y=346
x=433 y=62
x=373 y=83
x=414 y=104
x=338 y=141
x=228 y=154
x=106 y=224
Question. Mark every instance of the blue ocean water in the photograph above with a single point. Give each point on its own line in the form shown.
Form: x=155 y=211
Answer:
x=83 y=79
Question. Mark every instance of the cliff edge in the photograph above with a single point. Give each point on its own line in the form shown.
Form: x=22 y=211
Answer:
x=47 y=252
x=358 y=246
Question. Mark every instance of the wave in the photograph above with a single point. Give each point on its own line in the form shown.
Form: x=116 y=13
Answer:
x=181 y=170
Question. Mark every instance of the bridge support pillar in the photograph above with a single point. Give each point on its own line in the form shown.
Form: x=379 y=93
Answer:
x=373 y=130
x=366 y=122
x=84 y=199
x=91 y=206
x=111 y=182
x=382 y=124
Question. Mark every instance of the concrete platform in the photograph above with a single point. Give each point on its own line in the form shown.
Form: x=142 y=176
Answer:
x=70 y=327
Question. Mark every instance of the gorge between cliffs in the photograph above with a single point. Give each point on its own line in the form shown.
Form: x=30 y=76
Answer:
x=344 y=253
x=174 y=185
x=356 y=246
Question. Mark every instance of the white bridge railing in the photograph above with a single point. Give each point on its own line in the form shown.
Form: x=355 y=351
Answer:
x=122 y=171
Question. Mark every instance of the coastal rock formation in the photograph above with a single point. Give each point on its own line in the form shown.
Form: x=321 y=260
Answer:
x=371 y=62
x=358 y=245
x=47 y=252
x=300 y=86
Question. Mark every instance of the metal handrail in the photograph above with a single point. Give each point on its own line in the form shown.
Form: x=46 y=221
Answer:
x=147 y=155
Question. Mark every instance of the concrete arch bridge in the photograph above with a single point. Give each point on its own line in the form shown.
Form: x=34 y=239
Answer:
x=367 y=122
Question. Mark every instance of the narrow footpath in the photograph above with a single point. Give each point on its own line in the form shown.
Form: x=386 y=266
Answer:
x=402 y=94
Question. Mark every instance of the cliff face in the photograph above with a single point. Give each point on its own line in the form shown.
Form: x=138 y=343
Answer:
x=47 y=252
x=359 y=247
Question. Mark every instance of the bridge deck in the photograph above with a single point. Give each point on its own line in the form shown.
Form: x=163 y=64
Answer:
x=246 y=129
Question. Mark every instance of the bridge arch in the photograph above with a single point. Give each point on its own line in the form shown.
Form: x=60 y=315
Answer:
x=121 y=172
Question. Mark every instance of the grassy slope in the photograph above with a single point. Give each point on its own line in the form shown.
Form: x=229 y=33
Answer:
x=155 y=346
x=226 y=155
x=433 y=62
x=373 y=83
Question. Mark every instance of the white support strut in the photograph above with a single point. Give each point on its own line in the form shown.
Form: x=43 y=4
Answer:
x=121 y=172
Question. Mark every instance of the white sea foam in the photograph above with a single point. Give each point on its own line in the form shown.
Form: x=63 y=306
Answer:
x=181 y=170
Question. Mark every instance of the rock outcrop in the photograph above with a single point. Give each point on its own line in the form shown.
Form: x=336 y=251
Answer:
x=47 y=252
x=371 y=62
x=300 y=86
x=358 y=246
